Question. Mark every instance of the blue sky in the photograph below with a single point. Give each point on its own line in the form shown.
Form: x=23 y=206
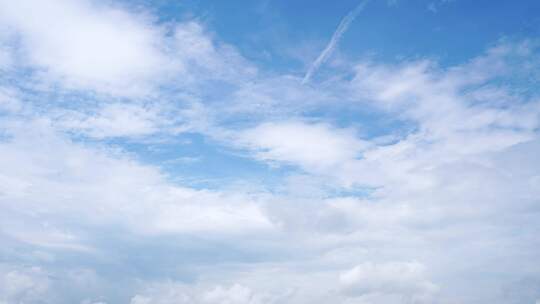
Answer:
x=268 y=152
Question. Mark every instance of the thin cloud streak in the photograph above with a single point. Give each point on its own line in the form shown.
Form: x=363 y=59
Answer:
x=336 y=37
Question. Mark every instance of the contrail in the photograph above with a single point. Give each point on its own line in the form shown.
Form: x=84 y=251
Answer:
x=341 y=29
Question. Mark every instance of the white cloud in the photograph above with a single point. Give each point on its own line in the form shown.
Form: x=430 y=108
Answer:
x=22 y=285
x=9 y=101
x=97 y=46
x=453 y=115
x=52 y=176
x=169 y=293
x=85 y=44
x=114 y=120
x=407 y=279
x=313 y=146
x=458 y=181
x=6 y=49
x=236 y=294
x=201 y=54
x=5 y=58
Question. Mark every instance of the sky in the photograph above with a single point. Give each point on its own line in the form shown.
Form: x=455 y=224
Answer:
x=269 y=152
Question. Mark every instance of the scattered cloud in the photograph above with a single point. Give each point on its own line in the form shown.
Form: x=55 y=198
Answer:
x=435 y=6
x=165 y=293
x=406 y=280
x=310 y=145
x=22 y=285
x=86 y=45
x=111 y=188
x=385 y=184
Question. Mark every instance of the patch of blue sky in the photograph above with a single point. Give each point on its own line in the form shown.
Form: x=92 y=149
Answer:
x=194 y=160
x=458 y=30
x=368 y=121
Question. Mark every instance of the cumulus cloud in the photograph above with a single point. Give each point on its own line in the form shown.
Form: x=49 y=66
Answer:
x=310 y=145
x=235 y=294
x=85 y=44
x=166 y=293
x=20 y=285
x=427 y=171
x=456 y=114
x=106 y=48
x=402 y=278
x=108 y=187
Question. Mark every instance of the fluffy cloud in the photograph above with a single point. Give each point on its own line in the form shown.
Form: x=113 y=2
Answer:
x=166 y=293
x=96 y=46
x=85 y=44
x=457 y=115
x=312 y=146
x=22 y=285
x=236 y=294
x=111 y=188
x=449 y=177
x=394 y=278
x=450 y=116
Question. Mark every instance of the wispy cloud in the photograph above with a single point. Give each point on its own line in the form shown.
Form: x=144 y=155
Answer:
x=144 y=160
x=336 y=37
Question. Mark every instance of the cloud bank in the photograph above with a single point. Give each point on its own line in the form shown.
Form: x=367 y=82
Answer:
x=396 y=181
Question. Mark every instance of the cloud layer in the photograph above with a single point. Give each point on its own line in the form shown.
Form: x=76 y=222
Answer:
x=408 y=181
